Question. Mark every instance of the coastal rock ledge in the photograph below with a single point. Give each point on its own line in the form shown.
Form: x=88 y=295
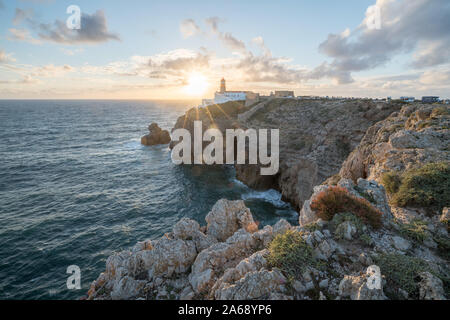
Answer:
x=232 y=259
x=157 y=136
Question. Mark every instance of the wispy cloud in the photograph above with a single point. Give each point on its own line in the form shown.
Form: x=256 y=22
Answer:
x=6 y=57
x=94 y=29
x=189 y=28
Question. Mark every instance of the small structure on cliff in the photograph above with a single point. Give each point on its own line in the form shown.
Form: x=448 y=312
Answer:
x=223 y=96
x=156 y=136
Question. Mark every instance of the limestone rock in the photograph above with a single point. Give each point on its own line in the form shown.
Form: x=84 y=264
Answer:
x=401 y=243
x=360 y=287
x=254 y=285
x=346 y=230
x=431 y=287
x=213 y=261
x=364 y=189
x=281 y=227
x=156 y=136
x=226 y=217
x=127 y=288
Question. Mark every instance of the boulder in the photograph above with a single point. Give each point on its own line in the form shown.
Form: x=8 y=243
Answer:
x=156 y=136
x=254 y=285
x=430 y=287
x=127 y=288
x=213 y=261
x=363 y=190
x=363 y=287
x=226 y=217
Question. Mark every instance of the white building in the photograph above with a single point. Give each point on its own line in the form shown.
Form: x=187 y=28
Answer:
x=224 y=96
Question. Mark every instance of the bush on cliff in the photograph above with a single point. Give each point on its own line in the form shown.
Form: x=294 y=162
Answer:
x=290 y=253
x=391 y=181
x=401 y=272
x=416 y=230
x=338 y=200
x=423 y=187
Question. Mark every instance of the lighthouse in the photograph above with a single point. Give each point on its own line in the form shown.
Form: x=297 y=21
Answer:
x=223 y=86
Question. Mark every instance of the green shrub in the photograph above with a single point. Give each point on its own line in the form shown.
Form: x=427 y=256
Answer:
x=290 y=253
x=391 y=182
x=416 y=230
x=401 y=272
x=443 y=246
x=347 y=216
x=338 y=200
x=427 y=186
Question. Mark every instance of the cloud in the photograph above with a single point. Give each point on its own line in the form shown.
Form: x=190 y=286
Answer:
x=22 y=15
x=51 y=70
x=406 y=25
x=227 y=38
x=259 y=41
x=69 y=52
x=22 y=35
x=213 y=23
x=6 y=57
x=189 y=28
x=25 y=80
x=93 y=29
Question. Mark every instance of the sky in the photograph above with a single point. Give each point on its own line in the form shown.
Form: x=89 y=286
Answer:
x=174 y=49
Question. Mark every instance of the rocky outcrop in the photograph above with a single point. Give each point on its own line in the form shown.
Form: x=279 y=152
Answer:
x=190 y=259
x=363 y=190
x=231 y=259
x=361 y=287
x=403 y=257
x=415 y=136
x=315 y=138
x=431 y=287
x=156 y=136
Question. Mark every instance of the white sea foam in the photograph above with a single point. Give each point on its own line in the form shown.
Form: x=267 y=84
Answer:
x=271 y=196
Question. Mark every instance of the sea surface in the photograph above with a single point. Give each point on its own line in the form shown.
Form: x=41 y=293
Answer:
x=76 y=186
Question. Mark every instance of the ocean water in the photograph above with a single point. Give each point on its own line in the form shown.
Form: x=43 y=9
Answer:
x=77 y=186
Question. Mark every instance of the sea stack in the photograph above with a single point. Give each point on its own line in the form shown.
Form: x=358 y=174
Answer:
x=156 y=136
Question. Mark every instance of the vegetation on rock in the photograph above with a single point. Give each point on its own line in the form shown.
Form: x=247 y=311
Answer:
x=338 y=200
x=290 y=253
x=416 y=230
x=423 y=187
x=401 y=271
x=391 y=181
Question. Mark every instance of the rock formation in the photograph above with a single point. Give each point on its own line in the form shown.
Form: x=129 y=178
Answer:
x=231 y=259
x=315 y=138
x=416 y=135
x=156 y=136
x=338 y=251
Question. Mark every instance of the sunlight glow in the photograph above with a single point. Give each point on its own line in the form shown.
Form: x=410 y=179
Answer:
x=197 y=85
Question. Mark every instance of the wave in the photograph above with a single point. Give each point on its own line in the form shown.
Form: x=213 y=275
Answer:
x=271 y=196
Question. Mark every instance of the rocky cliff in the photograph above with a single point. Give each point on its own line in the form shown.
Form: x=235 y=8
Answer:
x=377 y=230
x=316 y=136
x=230 y=259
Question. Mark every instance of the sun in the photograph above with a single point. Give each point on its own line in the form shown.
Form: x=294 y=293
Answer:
x=197 y=84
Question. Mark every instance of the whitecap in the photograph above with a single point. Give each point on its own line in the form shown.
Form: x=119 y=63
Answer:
x=271 y=196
